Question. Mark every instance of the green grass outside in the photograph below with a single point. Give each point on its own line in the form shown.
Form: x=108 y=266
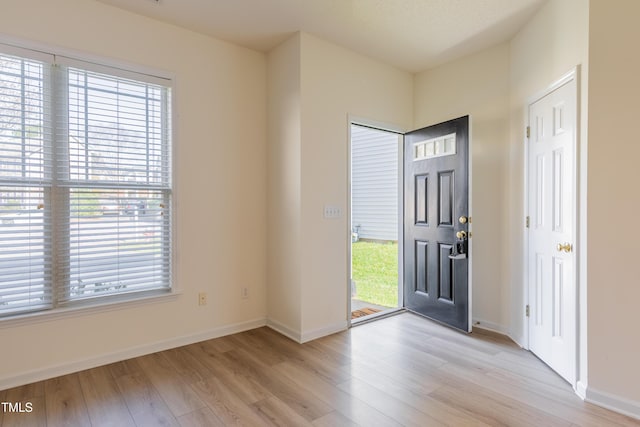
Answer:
x=375 y=271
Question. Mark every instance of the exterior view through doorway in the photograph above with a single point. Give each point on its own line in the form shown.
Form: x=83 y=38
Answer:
x=375 y=189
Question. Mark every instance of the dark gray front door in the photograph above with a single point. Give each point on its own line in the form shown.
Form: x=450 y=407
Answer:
x=436 y=255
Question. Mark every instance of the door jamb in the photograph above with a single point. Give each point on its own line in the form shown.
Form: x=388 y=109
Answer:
x=386 y=127
x=579 y=356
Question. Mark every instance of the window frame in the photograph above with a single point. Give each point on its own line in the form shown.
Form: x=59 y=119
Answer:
x=118 y=69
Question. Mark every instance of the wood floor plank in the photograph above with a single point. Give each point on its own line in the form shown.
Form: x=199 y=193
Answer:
x=496 y=411
x=176 y=393
x=251 y=341
x=304 y=355
x=240 y=382
x=356 y=410
x=381 y=375
x=414 y=393
x=288 y=391
x=144 y=402
x=65 y=403
x=394 y=408
x=222 y=344
x=276 y=413
x=225 y=404
x=30 y=393
x=359 y=344
x=190 y=368
x=123 y=368
x=557 y=402
x=25 y=392
x=105 y=403
x=36 y=418
x=316 y=347
x=201 y=418
x=334 y=419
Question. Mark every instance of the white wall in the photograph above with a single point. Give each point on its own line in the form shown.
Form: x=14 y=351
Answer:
x=478 y=85
x=220 y=187
x=334 y=83
x=553 y=42
x=284 y=201
x=614 y=283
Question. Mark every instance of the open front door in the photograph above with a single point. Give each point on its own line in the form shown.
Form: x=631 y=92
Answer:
x=436 y=200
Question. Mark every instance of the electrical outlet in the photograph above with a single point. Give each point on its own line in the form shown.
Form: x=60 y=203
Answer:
x=245 y=293
x=202 y=298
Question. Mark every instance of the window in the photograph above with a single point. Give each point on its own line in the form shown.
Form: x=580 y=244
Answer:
x=85 y=182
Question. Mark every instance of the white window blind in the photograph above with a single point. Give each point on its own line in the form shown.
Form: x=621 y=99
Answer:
x=85 y=184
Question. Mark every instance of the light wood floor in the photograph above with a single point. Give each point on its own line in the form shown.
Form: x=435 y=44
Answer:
x=402 y=370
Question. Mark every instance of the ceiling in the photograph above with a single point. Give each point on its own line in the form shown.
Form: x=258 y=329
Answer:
x=413 y=35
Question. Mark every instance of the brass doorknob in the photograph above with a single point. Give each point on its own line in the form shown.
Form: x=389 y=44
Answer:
x=462 y=219
x=564 y=247
x=461 y=234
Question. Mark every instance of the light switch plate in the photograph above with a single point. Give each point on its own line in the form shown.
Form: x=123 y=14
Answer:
x=332 y=212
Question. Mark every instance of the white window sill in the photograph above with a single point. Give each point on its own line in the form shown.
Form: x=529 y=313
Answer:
x=86 y=309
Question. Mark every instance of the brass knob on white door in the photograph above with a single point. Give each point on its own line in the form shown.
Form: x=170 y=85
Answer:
x=564 y=247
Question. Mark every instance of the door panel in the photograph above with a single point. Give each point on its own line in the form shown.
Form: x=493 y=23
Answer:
x=552 y=285
x=436 y=195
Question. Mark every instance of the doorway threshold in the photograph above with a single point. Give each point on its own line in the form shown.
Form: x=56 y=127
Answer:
x=377 y=316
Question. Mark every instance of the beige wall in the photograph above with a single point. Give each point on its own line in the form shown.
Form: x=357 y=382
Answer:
x=314 y=87
x=614 y=282
x=336 y=83
x=478 y=85
x=220 y=185
x=550 y=45
x=284 y=303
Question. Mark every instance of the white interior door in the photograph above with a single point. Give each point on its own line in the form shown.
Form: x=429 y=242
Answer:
x=552 y=228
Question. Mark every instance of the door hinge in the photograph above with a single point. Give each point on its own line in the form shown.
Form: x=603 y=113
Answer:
x=527 y=222
x=526 y=310
x=528 y=132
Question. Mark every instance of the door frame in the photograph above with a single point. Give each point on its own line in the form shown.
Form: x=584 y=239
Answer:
x=400 y=131
x=579 y=226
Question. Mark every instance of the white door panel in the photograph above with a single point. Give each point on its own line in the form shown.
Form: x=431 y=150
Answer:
x=551 y=255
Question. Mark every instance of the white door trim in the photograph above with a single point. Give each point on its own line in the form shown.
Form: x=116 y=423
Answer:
x=578 y=355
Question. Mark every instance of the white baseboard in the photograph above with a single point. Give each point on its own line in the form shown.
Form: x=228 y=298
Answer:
x=284 y=330
x=302 y=337
x=518 y=339
x=581 y=390
x=323 y=332
x=490 y=326
x=81 y=365
x=615 y=403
